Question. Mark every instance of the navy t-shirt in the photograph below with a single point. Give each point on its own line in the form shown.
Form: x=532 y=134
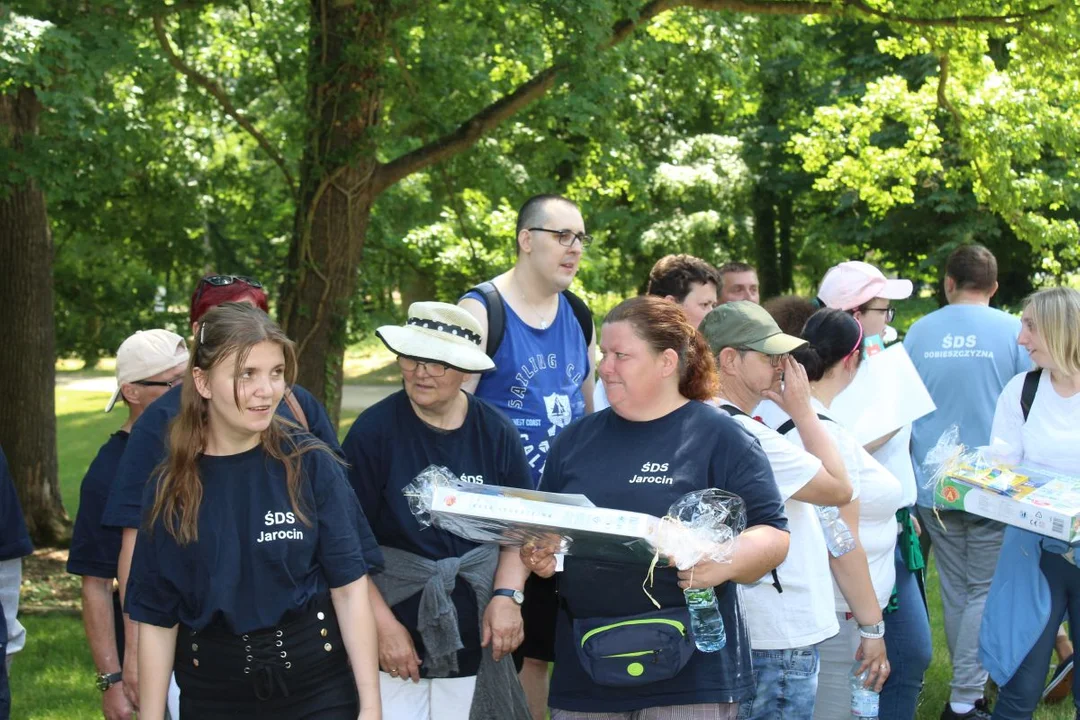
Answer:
x=95 y=547
x=645 y=467
x=148 y=447
x=14 y=540
x=254 y=560
x=387 y=447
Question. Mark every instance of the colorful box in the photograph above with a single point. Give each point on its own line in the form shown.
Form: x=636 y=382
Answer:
x=1042 y=503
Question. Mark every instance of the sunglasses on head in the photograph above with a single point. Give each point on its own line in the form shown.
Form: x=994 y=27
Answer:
x=221 y=281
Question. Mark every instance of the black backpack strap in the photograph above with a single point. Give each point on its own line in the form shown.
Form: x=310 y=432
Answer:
x=1027 y=395
x=776 y=582
x=732 y=410
x=496 y=315
x=789 y=425
x=583 y=315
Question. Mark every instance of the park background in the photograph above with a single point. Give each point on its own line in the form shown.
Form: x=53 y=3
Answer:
x=357 y=155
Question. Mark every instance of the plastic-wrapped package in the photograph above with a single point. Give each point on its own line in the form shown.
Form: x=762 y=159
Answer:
x=984 y=482
x=566 y=523
x=701 y=524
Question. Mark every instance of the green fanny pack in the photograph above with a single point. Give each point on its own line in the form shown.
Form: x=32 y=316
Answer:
x=636 y=650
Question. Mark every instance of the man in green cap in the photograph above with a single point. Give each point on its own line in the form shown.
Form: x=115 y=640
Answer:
x=790 y=616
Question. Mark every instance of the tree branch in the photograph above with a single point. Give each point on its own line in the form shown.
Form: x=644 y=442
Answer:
x=953 y=21
x=219 y=94
x=469 y=132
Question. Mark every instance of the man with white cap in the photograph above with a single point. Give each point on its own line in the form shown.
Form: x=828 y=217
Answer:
x=147 y=364
x=862 y=290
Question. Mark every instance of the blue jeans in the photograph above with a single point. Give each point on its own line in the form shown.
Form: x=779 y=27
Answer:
x=908 y=643
x=1018 y=697
x=786 y=685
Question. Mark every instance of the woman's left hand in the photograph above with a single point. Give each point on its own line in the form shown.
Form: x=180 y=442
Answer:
x=707 y=573
x=503 y=627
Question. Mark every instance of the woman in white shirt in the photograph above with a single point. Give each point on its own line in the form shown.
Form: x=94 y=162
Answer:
x=831 y=360
x=1037 y=578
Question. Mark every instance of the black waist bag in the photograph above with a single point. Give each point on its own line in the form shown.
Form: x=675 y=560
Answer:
x=636 y=650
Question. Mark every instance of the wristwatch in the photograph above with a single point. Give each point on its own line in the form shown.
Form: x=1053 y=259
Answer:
x=873 y=632
x=516 y=595
x=107 y=680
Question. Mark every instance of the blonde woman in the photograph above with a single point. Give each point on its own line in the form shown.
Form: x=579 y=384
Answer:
x=249 y=574
x=1036 y=579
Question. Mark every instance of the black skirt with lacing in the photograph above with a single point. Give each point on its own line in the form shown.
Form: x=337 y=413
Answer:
x=297 y=669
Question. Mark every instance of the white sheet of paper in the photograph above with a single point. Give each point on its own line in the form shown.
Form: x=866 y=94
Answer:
x=886 y=395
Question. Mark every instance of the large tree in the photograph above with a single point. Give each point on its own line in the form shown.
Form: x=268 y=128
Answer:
x=373 y=61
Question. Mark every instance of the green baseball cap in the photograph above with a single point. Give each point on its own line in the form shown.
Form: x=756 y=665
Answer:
x=744 y=324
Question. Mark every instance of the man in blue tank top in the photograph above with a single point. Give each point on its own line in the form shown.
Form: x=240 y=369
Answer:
x=543 y=377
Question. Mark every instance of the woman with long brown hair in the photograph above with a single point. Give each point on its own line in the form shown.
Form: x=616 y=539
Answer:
x=657 y=442
x=249 y=575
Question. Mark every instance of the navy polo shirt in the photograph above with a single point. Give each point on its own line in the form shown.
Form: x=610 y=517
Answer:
x=14 y=540
x=255 y=560
x=645 y=467
x=148 y=447
x=387 y=447
x=95 y=547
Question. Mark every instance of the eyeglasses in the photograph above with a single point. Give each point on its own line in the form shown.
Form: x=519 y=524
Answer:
x=774 y=360
x=221 y=281
x=158 y=383
x=566 y=238
x=433 y=369
x=890 y=312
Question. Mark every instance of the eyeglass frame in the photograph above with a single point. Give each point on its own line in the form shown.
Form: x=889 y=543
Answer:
x=583 y=238
x=158 y=383
x=222 y=281
x=774 y=360
x=428 y=364
x=890 y=312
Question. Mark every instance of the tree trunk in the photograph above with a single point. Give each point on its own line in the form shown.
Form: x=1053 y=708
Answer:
x=765 y=241
x=786 y=217
x=336 y=190
x=28 y=377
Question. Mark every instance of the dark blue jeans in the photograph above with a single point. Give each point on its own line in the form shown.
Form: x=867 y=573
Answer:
x=1018 y=698
x=908 y=643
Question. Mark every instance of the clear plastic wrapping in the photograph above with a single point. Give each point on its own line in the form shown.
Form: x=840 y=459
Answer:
x=700 y=525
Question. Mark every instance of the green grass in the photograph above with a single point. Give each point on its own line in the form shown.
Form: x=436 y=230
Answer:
x=52 y=678
x=82 y=427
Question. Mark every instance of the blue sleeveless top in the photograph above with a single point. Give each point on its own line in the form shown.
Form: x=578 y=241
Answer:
x=537 y=379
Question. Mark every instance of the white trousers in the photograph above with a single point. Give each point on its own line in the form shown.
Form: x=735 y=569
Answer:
x=435 y=699
x=172 y=703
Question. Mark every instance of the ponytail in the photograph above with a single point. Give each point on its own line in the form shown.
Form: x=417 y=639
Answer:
x=833 y=335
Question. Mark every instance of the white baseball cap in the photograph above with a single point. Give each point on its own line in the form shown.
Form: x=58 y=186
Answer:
x=850 y=284
x=145 y=354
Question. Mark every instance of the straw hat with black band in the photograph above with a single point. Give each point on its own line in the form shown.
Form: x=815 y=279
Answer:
x=439 y=332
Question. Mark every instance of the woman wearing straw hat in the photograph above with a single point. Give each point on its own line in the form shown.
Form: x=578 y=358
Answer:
x=448 y=610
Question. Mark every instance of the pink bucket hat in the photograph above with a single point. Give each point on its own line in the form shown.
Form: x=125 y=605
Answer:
x=850 y=284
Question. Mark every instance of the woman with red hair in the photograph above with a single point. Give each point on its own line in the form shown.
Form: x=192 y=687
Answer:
x=657 y=442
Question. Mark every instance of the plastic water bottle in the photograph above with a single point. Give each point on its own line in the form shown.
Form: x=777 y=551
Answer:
x=705 y=622
x=837 y=534
x=864 y=701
